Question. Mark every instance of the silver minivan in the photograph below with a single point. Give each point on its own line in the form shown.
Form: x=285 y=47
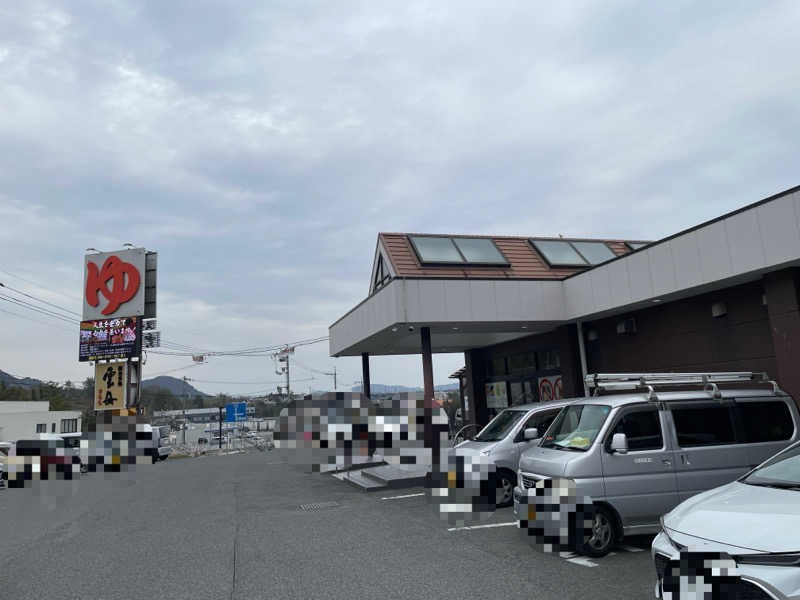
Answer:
x=638 y=455
x=509 y=434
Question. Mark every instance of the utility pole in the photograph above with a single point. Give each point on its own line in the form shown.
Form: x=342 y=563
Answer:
x=288 y=392
x=334 y=377
x=220 y=428
x=283 y=357
x=185 y=393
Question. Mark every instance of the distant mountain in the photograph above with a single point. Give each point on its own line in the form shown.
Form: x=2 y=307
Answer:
x=380 y=388
x=26 y=382
x=178 y=387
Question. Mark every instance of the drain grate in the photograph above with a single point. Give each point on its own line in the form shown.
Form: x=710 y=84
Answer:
x=318 y=505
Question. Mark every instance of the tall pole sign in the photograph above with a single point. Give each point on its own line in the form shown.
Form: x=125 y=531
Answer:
x=119 y=291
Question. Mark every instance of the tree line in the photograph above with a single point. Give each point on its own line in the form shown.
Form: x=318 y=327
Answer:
x=68 y=396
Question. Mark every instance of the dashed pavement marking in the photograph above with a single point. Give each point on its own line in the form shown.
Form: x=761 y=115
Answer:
x=403 y=496
x=482 y=526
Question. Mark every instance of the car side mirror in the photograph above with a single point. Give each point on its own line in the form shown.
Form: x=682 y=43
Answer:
x=531 y=433
x=619 y=443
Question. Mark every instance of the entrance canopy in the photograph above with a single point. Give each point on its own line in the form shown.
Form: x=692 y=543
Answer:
x=470 y=291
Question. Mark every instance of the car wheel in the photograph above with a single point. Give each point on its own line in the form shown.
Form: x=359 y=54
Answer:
x=604 y=534
x=505 y=489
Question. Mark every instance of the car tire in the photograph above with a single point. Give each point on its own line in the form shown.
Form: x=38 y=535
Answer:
x=604 y=533
x=506 y=480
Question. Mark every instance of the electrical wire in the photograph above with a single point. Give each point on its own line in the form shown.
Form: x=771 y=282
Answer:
x=45 y=323
x=176 y=369
x=40 y=286
x=38 y=309
x=32 y=297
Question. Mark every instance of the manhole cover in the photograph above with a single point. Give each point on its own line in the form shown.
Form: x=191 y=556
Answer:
x=318 y=505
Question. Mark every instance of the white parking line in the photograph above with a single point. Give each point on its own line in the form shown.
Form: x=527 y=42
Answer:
x=584 y=562
x=482 y=526
x=404 y=496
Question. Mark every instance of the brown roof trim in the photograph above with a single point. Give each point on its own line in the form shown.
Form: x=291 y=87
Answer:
x=508 y=237
x=788 y=192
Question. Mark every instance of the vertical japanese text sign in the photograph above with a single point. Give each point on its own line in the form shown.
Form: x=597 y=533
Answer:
x=110 y=386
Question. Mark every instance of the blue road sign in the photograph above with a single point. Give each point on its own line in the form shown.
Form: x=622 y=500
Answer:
x=235 y=411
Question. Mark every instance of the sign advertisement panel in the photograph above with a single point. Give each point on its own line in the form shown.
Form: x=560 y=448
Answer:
x=551 y=388
x=496 y=395
x=110 y=386
x=109 y=339
x=235 y=411
x=114 y=284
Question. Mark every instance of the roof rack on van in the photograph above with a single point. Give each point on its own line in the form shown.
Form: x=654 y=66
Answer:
x=609 y=382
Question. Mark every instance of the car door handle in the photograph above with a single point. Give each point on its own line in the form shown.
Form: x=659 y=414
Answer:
x=685 y=460
x=667 y=462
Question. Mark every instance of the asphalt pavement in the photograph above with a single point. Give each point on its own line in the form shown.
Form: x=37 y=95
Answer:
x=253 y=526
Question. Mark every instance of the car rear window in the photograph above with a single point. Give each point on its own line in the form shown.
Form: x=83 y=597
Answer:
x=765 y=421
x=703 y=426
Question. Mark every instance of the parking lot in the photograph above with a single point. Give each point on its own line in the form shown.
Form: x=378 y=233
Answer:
x=254 y=526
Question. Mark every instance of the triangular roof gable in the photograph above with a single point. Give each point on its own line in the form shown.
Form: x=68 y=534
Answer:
x=382 y=268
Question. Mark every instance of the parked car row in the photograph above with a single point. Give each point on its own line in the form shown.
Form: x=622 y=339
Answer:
x=683 y=464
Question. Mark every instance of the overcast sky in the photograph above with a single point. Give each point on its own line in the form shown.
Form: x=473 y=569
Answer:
x=260 y=147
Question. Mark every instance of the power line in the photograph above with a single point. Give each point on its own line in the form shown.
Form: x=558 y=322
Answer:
x=176 y=369
x=40 y=286
x=236 y=382
x=32 y=297
x=38 y=309
x=45 y=323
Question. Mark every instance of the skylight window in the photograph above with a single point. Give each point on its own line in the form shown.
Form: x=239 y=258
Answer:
x=559 y=253
x=435 y=249
x=594 y=252
x=456 y=250
x=480 y=250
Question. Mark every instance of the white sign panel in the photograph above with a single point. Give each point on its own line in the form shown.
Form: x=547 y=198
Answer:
x=496 y=395
x=114 y=284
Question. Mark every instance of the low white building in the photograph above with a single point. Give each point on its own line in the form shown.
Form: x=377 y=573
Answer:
x=22 y=420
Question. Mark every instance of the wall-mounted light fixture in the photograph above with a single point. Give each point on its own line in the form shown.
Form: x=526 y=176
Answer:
x=591 y=335
x=626 y=327
x=719 y=309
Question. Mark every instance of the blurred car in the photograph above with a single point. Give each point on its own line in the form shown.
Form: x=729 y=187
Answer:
x=507 y=436
x=5 y=448
x=202 y=440
x=753 y=524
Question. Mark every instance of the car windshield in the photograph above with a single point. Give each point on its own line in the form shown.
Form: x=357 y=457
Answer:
x=576 y=427
x=781 y=471
x=499 y=427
